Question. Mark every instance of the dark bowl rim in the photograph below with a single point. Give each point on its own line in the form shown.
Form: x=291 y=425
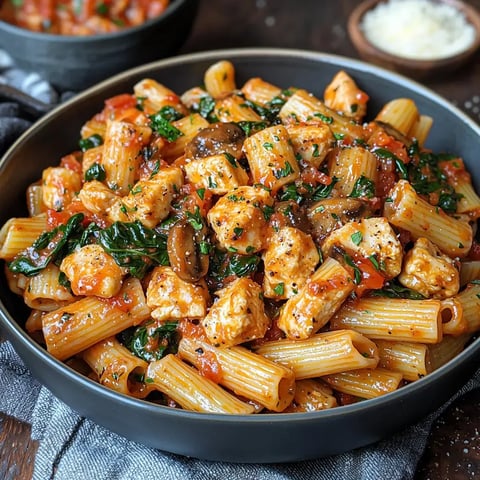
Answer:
x=17 y=31
x=14 y=330
x=360 y=41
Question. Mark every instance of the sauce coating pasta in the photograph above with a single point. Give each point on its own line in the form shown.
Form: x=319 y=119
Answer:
x=250 y=249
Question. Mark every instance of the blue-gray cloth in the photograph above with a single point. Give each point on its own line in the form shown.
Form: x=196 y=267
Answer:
x=74 y=448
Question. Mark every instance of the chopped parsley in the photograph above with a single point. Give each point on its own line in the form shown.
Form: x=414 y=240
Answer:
x=92 y=141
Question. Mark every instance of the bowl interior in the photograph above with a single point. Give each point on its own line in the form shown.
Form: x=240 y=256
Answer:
x=272 y=438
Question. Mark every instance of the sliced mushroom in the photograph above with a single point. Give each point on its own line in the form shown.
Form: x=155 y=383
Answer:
x=328 y=214
x=184 y=251
x=218 y=138
x=393 y=132
x=293 y=215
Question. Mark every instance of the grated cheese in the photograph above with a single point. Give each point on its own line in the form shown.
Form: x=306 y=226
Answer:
x=418 y=29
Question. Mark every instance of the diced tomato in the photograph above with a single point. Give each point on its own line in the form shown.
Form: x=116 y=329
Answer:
x=361 y=97
x=72 y=163
x=312 y=176
x=122 y=302
x=209 y=366
x=54 y=218
x=190 y=329
x=455 y=171
x=118 y=104
x=385 y=182
x=372 y=279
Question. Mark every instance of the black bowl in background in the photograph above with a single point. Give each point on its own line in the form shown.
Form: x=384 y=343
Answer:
x=255 y=438
x=77 y=62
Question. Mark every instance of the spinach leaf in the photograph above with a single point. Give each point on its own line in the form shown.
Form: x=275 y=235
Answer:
x=400 y=166
x=427 y=177
x=393 y=289
x=49 y=246
x=324 y=191
x=94 y=140
x=363 y=188
x=151 y=344
x=134 y=246
x=224 y=264
x=95 y=172
x=160 y=122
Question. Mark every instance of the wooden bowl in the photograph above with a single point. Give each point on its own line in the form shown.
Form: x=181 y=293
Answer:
x=411 y=67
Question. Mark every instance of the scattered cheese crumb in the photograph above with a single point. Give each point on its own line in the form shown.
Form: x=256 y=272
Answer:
x=418 y=29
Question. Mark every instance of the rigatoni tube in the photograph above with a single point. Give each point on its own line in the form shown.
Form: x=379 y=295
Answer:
x=322 y=354
x=246 y=373
x=81 y=324
x=183 y=384
x=409 y=211
x=392 y=319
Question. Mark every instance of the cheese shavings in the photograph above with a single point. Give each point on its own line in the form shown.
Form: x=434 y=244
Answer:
x=418 y=29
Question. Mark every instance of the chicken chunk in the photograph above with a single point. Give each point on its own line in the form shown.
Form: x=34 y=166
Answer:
x=311 y=142
x=343 y=95
x=317 y=301
x=149 y=200
x=92 y=271
x=219 y=173
x=238 y=315
x=369 y=238
x=290 y=258
x=170 y=297
x=430 y=272
x=59 y=186
x=238 y=219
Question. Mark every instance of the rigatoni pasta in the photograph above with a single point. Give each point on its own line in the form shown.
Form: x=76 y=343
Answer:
x=250 y=249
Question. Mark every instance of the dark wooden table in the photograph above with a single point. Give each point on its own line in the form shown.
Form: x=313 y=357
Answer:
x=453 y=450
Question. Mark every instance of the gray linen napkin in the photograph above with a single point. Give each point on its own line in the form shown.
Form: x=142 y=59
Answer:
x=72 y=447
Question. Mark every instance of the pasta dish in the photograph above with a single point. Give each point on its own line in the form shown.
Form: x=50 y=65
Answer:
x=249 y=249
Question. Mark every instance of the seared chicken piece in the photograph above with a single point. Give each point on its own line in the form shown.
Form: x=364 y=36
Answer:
x=238 y=315
x=370 y=237
x=170 y=297
x=92 y=271
x=290 y=258
x=343 y=95
x=428 y=271
x=238 y=219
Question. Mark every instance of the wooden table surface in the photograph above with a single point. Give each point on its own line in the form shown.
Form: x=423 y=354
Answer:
x=453 y=450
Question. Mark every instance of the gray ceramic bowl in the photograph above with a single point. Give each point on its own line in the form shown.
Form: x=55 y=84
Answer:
x=258 y=438
x=77 y=62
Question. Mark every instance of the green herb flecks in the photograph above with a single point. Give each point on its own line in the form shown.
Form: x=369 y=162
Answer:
x=363 y=188
x=92 y=141
x=95 y=172
x=393 y=289
x=161 y=123
x=427 y=178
